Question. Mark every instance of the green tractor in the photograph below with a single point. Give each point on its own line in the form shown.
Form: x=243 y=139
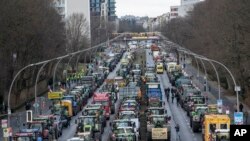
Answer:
x=89 y=126
x=196 y=117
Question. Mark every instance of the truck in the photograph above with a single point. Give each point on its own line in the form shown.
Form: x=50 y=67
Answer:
x=216 y=127
x=154 y=47
x=105 y=100
x=153 y=90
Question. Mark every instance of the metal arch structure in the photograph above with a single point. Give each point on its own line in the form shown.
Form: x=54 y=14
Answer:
x=217 y=74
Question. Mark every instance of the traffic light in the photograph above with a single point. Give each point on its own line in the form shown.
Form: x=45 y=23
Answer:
x=29 y=116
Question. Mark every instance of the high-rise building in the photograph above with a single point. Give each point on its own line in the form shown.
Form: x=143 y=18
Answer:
x=67 y=7
x=103 y=8
x=111 y=10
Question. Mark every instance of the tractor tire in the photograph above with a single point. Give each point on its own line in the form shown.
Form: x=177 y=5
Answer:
x=112 y=111
x=149 y=137
x=191 y=122
x=195 y=127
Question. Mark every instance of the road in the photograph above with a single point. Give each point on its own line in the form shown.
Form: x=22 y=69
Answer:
x=177 y=113
x=70 y=132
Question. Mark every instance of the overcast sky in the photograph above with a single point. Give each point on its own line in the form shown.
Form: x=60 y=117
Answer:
x=151 y=8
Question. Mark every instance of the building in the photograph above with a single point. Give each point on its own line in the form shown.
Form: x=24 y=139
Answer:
x=183 y=9
x=154 y=24
x=67 y=7
x=103 y=8
x=111 y=10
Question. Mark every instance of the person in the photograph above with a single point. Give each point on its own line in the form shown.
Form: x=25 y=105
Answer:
x=241 y=107
x=172 y=97
x=27 y=105
x=177 y=99
x=177 y=128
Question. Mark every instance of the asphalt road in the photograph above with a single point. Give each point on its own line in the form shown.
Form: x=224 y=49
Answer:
x=176 y=112
x=70 y=131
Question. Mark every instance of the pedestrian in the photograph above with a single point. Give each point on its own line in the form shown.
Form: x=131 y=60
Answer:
x=27 y=105
x=246 y=116
x=167 y=93
x=172 y=97
x=241 y=107
x=177 y=99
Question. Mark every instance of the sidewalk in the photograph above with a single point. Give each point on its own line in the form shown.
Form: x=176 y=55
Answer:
x=229 y=101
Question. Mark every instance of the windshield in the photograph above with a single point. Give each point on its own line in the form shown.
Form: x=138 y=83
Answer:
x=24 y=139
x=88 y=121
x=123 y=131
x=155 y=103
x=104 y=103
x=137 y=72
x=36 y=126
x=158 y=119
x=156 y=111
x=127 y=106
x=121 y=124
x=127 y=116
x=201 y=110
x=159 y=67
x=91 y=111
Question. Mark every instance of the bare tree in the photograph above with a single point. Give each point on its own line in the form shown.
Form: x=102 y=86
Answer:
x=77 y=32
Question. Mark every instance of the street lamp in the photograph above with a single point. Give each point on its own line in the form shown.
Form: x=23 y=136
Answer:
x=236 y=87
x=217 y=74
